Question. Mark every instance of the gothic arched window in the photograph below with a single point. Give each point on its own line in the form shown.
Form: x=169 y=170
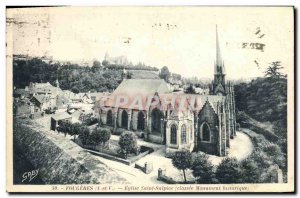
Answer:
x=205 y=132
x=183 y=134
x=109 y=119
x=124 y=123
x=173 y=134
x=141 y=121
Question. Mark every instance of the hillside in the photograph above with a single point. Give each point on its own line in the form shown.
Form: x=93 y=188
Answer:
x=264 y=99
x=75 y=77
x=143 y=74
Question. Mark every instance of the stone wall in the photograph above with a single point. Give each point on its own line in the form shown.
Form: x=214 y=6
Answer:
x=208 y=116
x=59 y=160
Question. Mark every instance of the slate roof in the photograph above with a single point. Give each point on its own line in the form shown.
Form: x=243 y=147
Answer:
x=61 y=116
x=41 y=98
x=142 y=87
x=44 y=88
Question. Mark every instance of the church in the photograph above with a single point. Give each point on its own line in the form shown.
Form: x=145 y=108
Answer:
x=179 y=121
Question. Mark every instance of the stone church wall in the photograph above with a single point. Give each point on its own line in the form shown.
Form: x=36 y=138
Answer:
x=134 y=120
x=208 y=115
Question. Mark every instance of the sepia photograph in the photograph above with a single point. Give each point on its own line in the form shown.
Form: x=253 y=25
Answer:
x=168 y=99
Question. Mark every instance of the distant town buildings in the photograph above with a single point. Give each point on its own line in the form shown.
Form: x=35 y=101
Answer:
x=39 y=99
x=119 y=60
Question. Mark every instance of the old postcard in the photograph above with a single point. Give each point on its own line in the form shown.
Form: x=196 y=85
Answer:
x=150 y=99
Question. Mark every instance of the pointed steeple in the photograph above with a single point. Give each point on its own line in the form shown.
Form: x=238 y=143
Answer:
x=218 y=52
x=219 y=77
x=219 y=63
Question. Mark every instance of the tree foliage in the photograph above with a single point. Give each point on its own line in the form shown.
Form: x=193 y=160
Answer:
x=100 y=136
x=250 y=172
x=165 y=73
x=128 y=143
x=84 y=135
x=203 y=169
x=95 y=137
x=105 y=135
x=273 y=70
x=190 y=89
x=71 y=76
x=182 y=160
x=264 y=99
x=228 y=171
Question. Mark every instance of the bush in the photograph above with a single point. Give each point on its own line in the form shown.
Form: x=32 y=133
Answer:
x=272 y=150
x=95 y=137
x=128 y=144
x=100 y=136
x=250 y=172
x=182 y=160
x=90 y=121
x=64 y=127
x=228 y=171
x=269 y=175
x=75 y=129
x=203 y=169
x=84 y=135
x=105 y=135
x=262 y=159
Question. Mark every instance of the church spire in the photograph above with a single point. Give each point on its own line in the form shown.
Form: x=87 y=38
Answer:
x=219 y=77
x=218 y=52
x=219 y=64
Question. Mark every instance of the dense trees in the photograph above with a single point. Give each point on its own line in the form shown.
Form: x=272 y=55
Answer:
x=259 y=167
x=250 y=172
x=228 y=171
x=98 y=136
x=72 y=77
x=265 y=99
x=203 y=170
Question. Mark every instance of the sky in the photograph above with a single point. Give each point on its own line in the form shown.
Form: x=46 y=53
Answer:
x=182 y=38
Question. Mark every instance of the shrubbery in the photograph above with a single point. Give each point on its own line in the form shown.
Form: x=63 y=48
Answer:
x=228 y=171
x=128 y=144
x=84 y=135
x=257 y=168
x=203 y=170
x=69 y=128
x=90 y=121
x=249 y=171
